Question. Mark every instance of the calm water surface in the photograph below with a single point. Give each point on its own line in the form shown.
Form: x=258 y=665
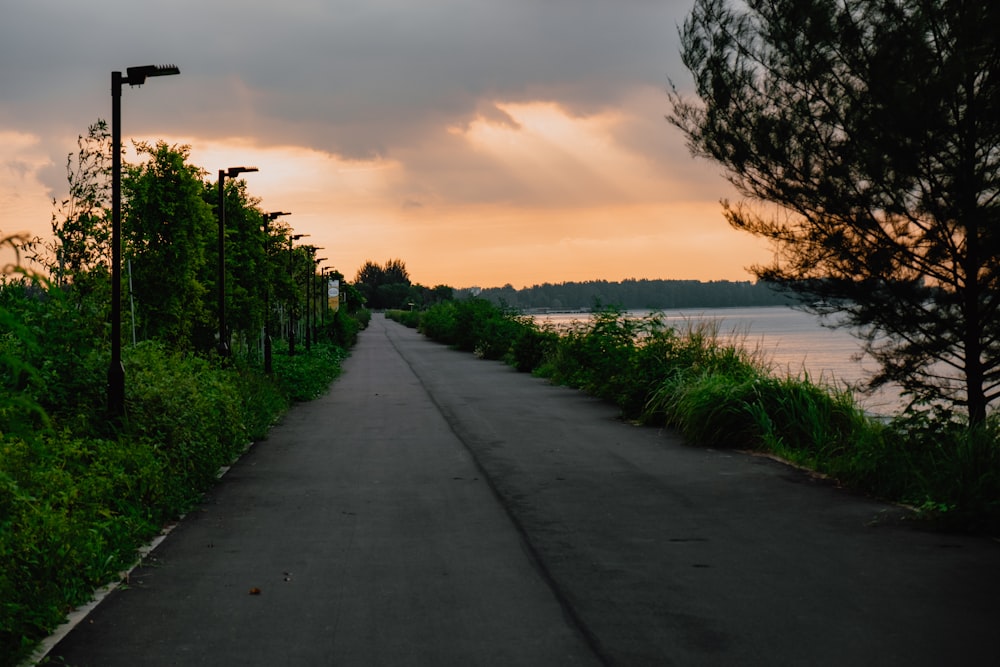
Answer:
x=793 y=341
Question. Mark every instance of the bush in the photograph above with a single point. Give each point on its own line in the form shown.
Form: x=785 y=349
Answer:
x=73 y=512
x=438 y=322
x=531 y=345
x=408 y=318
x=305 y=376
x=191 y=413
x=343 y=328
x=476 y=325
x=54 y=351
x=953 y=471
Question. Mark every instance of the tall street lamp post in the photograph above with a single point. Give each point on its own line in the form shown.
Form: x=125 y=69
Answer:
x=268 y=217
x=312 y=295
x=232 y=172
x=324 y=294
x=135 y=76
x=308 y=292
x=291 y=280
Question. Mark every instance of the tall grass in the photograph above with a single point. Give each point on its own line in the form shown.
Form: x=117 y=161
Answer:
x=718 y=391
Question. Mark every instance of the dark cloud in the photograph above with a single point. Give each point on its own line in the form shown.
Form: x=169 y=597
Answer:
x=393 y=86
x=352 y=78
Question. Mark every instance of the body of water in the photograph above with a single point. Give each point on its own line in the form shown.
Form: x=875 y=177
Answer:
x=791 y=340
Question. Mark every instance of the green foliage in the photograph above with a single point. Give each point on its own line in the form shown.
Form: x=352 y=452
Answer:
x=81 y=224
x=385 y=286
x=362 y=315
x=168 y=229
x=54 y=340
x=626 y=360
x=303 y=377
x=71 y=512
x=408 y=318
x=343 y=327
x=594 y=355
x=438 y=322
x=472 y=325
x=476 y=325
x=20 y=412
x=190 y=412
x=955 y=467
x=531 y=345
x=250 y=270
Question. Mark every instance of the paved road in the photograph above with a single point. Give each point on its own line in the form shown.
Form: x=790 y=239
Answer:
x=435 y=509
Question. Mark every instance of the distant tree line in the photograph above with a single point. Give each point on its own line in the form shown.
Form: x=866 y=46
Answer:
x=634 y=294
x=388 y=286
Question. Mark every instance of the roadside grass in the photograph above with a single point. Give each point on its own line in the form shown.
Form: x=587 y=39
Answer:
x=719 y=391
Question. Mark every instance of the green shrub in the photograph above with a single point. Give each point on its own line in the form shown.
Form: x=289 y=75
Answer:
x=531 y=345
x=953 y=470
x=305 y=376
x=474 y=319
x=53 y=351
x=803 y=421
x=595 y=355
x=73 y=512
x=478 y=326
x=438 y=322
x=408 y=318
x=343 y=327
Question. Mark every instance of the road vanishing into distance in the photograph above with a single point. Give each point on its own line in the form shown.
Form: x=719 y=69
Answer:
x=436 y=509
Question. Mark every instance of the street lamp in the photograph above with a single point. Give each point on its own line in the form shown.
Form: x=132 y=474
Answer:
x=268 y=217
x=312 y=296
x=136 y=76
x=291 y=309
x=232 y=172
x=324 y=294
x=311 y=249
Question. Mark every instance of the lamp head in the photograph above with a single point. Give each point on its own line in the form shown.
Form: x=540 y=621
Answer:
x=274 y=214
x=137 y=75
x=234 y=171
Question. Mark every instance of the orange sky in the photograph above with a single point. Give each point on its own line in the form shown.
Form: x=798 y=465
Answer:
x=512 y=145
x=582 y=206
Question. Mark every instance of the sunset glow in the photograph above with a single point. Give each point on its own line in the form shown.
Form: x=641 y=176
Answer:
x=468 y=186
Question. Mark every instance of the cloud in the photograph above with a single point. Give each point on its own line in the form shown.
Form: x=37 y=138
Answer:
x=448 y=122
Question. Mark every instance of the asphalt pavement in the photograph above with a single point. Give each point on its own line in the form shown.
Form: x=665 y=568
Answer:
x=436 y=509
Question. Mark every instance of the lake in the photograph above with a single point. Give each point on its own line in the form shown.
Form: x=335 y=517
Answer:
x=793 y=341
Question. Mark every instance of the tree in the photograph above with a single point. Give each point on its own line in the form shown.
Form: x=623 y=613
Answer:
x=247 y=268
x=384 y=286
x=367 y=280
x=167 y=229
x=81 y=224
x=874 y=126
x=395 y=272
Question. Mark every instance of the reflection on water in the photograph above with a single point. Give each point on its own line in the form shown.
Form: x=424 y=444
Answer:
x=793 y=341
